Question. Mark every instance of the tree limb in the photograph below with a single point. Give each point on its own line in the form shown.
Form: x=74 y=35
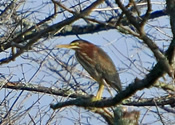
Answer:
x=42 y=89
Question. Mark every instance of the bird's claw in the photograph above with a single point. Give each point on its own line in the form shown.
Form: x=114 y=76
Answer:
x=94 y=99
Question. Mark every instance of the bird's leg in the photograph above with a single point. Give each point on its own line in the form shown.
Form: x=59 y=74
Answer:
x=99 y=93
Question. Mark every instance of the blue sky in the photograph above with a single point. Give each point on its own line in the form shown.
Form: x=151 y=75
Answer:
x=131 y=57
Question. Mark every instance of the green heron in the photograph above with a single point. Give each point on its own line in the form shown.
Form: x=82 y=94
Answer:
x=97 y=63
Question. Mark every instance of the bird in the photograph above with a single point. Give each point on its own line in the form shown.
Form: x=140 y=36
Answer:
x=97 y=63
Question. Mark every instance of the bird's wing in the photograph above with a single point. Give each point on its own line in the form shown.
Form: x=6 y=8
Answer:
x=107 y=69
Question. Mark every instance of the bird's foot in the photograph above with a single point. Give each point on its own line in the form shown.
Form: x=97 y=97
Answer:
x=93 y=99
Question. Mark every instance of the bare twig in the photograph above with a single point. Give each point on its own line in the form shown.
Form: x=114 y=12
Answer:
x=158 y=113
x=146 y=17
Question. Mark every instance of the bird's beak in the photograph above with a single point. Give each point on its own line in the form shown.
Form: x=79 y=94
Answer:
x=64 y=46
x=67 y=46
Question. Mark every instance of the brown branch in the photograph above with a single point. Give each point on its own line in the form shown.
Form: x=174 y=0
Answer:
x=129 y=15
x=146 y=17
x=62 y=6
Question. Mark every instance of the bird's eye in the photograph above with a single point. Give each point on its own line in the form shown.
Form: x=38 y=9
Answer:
x=75 y=44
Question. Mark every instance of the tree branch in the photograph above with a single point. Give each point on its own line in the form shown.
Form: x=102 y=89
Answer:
x=37 y=88
x=166 y=100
